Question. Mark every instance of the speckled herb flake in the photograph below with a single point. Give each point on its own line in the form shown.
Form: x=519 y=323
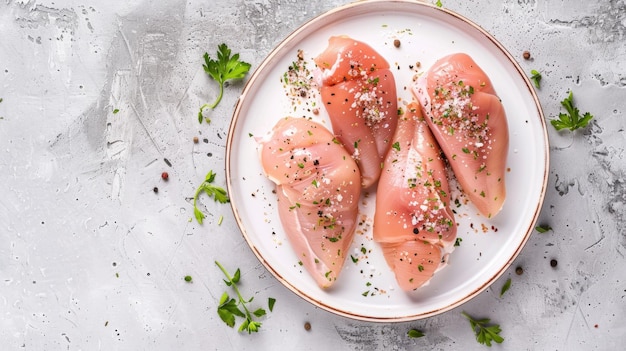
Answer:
x=543 y=228
x=505 y=287
x=414 y=333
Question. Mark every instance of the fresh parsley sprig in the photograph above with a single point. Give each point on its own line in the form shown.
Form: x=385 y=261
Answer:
x=228 y=308
x=216 y=192
x=485 y=333
x=572 y=119
x=225 y=68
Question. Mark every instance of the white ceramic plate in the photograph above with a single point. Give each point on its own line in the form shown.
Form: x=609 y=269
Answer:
x=488 y=245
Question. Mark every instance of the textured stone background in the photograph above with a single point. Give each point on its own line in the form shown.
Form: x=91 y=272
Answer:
x=91 y=258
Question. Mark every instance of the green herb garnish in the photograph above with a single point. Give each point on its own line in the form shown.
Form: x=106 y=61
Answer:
x=270 y=303
x=225 y=68
x=396 y=146
x=414 y=333
x=218 y=194
x=229 y=308
x=543 y=228
x=505 y=287
x=438 y=3
x=536 y=78
x=485 y=333
x=571 y=120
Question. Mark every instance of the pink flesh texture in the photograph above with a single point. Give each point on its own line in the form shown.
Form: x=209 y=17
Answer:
x=469 y=122
x=318 y=188
x=413 y=222
x=359 y=93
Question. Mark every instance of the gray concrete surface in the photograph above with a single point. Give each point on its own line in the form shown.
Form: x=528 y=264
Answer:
x=92 y=259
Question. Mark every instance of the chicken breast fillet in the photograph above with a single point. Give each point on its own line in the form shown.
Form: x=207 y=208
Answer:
x=318 y=188
x=359 y=93
x=469 y=122
x=413 y=222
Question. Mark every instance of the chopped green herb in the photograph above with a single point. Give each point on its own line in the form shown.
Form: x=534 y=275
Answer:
x=438 y=3
x=543 y=228
x=270 y=303
x=414 y=333
x=396 y=146
x=536 y=78
x=457 y=242
x=188 y=278
x=116 y=111
x=571 y=120
x=354 y=259
x=505 y=287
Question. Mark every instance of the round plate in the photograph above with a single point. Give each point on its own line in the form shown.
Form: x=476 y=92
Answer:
x=366 y=288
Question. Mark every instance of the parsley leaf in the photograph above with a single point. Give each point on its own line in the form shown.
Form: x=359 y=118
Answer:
x=270 y=303
x=536 y=78
x=225 y=68
x=218 y=194
x=414 y=333
x=543 y=228
x=229 y=308
x=438 y=3
x=572 y=119
x=485 y=333
x=505 y=287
